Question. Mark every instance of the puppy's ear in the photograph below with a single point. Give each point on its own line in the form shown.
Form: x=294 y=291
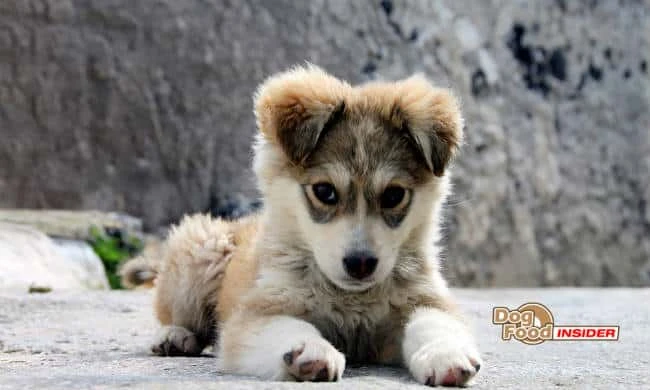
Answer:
x=295 y=107
x=432 y=119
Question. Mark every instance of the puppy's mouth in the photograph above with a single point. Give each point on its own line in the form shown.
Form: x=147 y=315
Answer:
x=356 y=285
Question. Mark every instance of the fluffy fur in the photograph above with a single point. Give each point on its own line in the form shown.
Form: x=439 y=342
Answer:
x=273 y=291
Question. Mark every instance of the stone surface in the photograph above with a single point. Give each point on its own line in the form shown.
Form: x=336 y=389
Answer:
x=29 y=258
x=99 y=339
x=75 y=225
x=80 y=253
x=145 y=107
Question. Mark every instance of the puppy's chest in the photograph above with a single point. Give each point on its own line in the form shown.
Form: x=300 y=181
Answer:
x=368 y=333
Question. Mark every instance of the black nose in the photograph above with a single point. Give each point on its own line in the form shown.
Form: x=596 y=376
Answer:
x=360 y=265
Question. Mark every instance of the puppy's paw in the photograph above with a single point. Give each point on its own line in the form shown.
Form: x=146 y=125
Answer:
x=176 y=341
x=445 y=363
x=316 y=361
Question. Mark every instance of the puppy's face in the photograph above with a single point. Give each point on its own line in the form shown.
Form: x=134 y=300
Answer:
x=359 y=168
x=363 y=191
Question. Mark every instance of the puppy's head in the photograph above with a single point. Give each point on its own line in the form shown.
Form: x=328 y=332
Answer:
x=354 y=174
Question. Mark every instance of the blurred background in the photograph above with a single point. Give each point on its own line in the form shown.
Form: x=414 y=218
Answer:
x=142 y=111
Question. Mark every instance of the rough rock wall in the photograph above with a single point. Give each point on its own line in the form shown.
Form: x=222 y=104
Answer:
x=145 y=107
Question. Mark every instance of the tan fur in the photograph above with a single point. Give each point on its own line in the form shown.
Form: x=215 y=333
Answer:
x=196 y=255
x=242 y=269
x=141 y=271
x=273 y=286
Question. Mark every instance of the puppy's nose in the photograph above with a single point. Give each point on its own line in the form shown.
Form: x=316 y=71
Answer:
x=360 y=265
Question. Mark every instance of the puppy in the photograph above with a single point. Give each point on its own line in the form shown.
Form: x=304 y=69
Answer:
x=341 y=265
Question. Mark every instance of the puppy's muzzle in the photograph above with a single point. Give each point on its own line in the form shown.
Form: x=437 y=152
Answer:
x=360 y=265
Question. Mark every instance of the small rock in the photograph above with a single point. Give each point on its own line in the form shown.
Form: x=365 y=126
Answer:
x=39 y=289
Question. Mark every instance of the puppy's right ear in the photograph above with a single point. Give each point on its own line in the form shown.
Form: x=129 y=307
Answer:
x=294 y=107
x=432 y=118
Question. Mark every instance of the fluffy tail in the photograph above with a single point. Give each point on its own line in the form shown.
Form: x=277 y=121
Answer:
x=199 y=245
x=142 y=270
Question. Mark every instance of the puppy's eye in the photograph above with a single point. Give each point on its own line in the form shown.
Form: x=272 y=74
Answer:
x=326 y=193
x=392 y=197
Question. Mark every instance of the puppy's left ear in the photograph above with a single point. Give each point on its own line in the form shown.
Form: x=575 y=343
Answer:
x=293 y=109
x=432 y=118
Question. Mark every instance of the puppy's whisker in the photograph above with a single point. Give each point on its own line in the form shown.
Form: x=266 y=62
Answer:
x=458 y=202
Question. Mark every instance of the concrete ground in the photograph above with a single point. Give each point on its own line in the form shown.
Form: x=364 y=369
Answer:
x=100 y=339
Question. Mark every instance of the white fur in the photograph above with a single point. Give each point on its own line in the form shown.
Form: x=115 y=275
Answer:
x=436 y=342
x=329 y=242
x=261 y=353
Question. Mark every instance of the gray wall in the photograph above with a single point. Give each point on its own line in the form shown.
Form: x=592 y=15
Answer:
x=145 y=107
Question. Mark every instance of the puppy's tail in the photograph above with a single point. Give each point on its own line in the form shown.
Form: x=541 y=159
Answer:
x=198 y=248
x=141 y=271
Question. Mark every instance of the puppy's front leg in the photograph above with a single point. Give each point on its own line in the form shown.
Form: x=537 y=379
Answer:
x=279 y=348
x=439 y=349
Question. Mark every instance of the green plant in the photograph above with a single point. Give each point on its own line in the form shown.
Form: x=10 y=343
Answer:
x=113 y=246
